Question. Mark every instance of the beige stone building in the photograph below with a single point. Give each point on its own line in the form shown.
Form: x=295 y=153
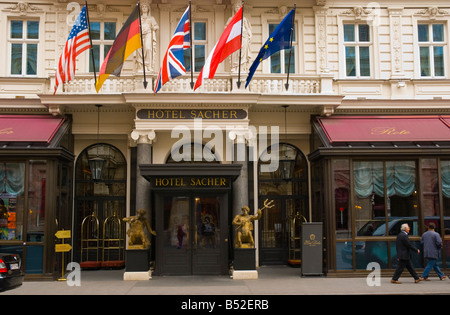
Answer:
x=359 y=140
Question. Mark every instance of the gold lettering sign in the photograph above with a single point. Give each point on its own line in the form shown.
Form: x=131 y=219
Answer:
x=388 y=131
x=312 y=241
x=6 y=131
x=192 y=114
x=189 y=182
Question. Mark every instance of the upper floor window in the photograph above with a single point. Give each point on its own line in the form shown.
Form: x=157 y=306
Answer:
x=279 y=61
x=199 y=41
x=432 y=44
x=357 y=44
x=103 y=35
x=23 y=45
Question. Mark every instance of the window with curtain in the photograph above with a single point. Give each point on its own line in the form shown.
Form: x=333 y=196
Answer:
x=445 y=177
x=385 y=190
x=23 y=45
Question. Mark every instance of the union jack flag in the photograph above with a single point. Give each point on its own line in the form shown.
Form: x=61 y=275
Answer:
x=77 y=42
x=173 y=62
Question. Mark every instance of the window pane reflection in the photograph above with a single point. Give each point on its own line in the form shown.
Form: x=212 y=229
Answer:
x=12 y=185
x=371 y=251
x=36 y=201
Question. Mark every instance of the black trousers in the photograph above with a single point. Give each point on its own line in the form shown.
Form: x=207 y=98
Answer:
x=401 y=266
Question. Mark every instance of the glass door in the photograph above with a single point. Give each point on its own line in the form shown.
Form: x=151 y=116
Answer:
x=276 y=230
x=191 y=234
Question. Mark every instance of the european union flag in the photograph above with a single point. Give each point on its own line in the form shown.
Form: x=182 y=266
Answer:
x=278 y=40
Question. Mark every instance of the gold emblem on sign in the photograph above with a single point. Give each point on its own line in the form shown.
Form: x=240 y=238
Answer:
x=312 y=240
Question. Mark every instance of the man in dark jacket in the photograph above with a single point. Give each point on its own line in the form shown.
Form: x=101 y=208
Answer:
x=432 y=244
x=403 y=255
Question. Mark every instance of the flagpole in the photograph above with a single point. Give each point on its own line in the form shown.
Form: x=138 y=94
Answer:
x=190 y=45
x=90 y=39
x=290 y=49
x=142 y=43
x=240 y=49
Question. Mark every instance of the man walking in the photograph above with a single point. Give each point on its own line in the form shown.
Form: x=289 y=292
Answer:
x=432 y=243
x=403 y=255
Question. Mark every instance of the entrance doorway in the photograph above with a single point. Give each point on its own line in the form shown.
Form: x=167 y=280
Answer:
x=288 y=187
x=102 y=200
x=192 y=233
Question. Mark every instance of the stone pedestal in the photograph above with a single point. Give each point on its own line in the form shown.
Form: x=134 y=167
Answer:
x=137 y=266
x=244 y=264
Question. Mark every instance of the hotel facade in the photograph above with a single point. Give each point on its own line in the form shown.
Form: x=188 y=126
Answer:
x=359 y=139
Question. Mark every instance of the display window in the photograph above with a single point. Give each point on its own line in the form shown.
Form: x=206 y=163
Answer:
x=12 y=177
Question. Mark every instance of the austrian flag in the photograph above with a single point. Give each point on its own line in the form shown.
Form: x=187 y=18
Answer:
x=228 y=43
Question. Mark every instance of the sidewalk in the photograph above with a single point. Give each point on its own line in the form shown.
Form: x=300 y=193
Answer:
x=273 y=280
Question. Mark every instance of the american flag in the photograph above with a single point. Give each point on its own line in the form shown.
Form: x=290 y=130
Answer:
x=77 y=42
x=173 y=62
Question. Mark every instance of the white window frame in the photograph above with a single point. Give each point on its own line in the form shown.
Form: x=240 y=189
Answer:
x=298 y=44
x=430 y=43
x=24 y=41
x=357 y=44
x=101 y=42
x=119 y=18
x=200 y=43
x=373 y=49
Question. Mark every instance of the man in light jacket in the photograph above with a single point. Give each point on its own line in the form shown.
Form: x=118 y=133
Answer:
x=432 y=243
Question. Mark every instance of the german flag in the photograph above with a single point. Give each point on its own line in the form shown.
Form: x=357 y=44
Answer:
x=127 y=41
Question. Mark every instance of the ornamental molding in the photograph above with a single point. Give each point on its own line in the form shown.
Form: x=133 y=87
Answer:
x=23 y=8
x=432 y=12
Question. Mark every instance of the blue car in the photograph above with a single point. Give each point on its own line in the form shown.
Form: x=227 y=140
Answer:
x=11 y=273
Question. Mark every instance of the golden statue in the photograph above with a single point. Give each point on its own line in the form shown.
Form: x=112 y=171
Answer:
x=244 y=226
x=137 y=237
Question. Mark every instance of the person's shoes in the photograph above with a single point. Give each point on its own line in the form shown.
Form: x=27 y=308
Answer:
x=395 y=281
x=418 y=280
x=443 y=277
x=424 y=279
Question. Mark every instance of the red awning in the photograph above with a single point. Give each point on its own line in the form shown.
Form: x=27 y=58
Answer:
x=28 y=128
x=386 y=128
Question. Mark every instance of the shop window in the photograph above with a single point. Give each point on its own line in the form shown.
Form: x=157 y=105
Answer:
x=445 y=177
x=341 y=186
x=36 y=201
x=12 y=202
x=23 y=44
x=357 y=45
x=381 y=209
x=432 y=46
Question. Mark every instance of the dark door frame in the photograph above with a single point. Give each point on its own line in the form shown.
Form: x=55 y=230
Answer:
x=192 y=261
x=185 y=173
